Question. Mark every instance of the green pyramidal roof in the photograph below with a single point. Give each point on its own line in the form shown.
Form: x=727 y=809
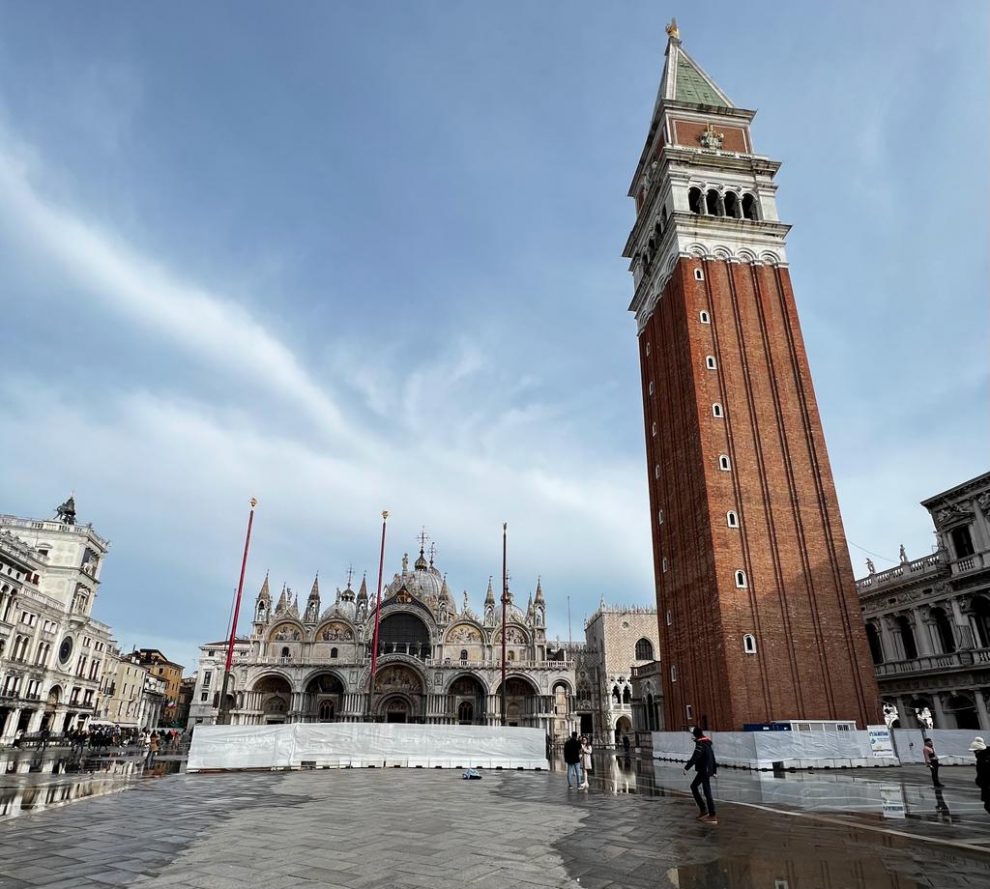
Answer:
x=692 y=86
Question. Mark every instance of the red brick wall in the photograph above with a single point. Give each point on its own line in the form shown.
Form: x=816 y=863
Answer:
x=812 y=658
x=688 y=132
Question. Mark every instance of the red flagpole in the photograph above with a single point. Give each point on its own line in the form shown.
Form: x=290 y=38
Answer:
x=224 y=715
x=505 y=602
x=378 y=617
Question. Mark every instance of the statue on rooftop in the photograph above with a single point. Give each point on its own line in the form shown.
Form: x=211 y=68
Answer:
x=66 y=512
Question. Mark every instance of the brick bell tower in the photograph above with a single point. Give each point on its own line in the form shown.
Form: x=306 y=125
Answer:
x=759 y=619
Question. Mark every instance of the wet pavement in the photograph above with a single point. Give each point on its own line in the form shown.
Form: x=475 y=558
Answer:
x=406 y=828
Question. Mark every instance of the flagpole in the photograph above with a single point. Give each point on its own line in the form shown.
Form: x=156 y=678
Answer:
x=378 y=620
x=223 y=716
x=505 y=602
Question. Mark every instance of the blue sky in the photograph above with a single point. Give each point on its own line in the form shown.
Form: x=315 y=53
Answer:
x=345 y=257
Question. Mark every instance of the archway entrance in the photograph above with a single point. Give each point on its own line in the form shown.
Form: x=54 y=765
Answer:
x=521 y=701
x=399 y=690
x=275 y=698
x=467 y=701
x=963 y=709
x=324 y=697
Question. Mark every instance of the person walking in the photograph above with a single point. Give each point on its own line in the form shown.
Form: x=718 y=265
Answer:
x=705 y=767
x=979 y=747
x=572 y=756
x=585 y=760
x=931 y=760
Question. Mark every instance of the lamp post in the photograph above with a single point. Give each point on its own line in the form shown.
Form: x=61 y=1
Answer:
x=378 y=620
x=223 y=717
x=505 y=602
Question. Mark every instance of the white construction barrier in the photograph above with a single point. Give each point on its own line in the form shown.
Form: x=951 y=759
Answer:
x=951 y=745
x=360 y=744
x=793 y=750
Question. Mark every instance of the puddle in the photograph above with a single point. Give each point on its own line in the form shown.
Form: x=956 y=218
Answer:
x=810 y=872
x=33 y=782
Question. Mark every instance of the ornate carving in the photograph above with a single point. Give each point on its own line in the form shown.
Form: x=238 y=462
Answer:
x=336 y=633
x=983 y=501
x=954 y=512
x=397 y=678
x=711 y=138
x=515 y=636
x=286 y=633
x=463 y=633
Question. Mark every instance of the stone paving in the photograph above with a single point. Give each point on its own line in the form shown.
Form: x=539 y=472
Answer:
x=429 y=829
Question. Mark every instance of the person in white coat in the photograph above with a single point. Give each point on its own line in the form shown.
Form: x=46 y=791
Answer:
x=585 y=760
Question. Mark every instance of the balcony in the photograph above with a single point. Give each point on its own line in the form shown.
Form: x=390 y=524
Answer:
x=971 y=563
x=906 y=570
x=935 y=663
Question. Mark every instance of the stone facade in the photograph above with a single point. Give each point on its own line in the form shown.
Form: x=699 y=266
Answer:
x=52 y=651
x=759 y=617
x=439 y=661
x=170 y=674
x=928 y=619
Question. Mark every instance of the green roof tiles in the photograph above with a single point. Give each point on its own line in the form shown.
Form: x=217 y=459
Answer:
x=692 y=86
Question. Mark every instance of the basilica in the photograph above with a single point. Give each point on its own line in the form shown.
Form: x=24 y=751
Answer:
x=439 y=661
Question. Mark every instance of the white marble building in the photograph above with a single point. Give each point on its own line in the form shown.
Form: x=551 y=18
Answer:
x=928 y=619
x=52 y=650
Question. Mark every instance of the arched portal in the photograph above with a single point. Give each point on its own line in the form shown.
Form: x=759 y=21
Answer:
x=324 y=697
x=962 y=709
x=466 y=698
x=275 y=698
x=521 y=701
x=907 y=637
x=943 y=627
x=399 y=694
x=404 y=633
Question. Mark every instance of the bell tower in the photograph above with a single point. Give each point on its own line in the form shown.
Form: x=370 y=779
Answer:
x=759 y=619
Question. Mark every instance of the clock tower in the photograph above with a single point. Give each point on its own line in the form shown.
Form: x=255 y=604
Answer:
x=759 y=619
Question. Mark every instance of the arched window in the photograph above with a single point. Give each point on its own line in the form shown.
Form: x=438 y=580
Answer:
x=652 y=387
x=749 y=643
x=741 y=579
x=876 y=648
x=285 y=651
x=615 y=694
x=712 y=204
x=644 y=650
x=732 y=207
x=749 y=207
x=673 y=673
x=512 y=655
x=723 y=463
x=705 y=318
x=710 y=362
x=944 y=627
x=731 y=519
x=656 y=471
x=694 y=200
x=659 y=516
x=326 y=711
x=333 y=652
x=716 y=410
x=654 y=428
x=465 y=713
x=907 y=637
x=627 y=695
x=464 y=654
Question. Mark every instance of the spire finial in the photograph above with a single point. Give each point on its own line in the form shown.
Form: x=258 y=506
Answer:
x=350 y=574
x=673 y=32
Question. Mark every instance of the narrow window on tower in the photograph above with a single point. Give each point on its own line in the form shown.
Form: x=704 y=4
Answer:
x=654 y=428
x=670 y=619
x=705 y=319
x=659 y=516
x=723 y=463
x=699 y=275
x=673 y=673
x=716 y=410
x=741 y=579
x=749 y=207
x=694 y=200
x=710 y=362
x=647 y=348
x=652 y=387
x=666 y=565
x=749 y=644
x=656 y=471
x=689 y=710
x=732 y=519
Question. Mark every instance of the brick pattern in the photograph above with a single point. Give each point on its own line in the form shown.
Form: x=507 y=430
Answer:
x=798 y=602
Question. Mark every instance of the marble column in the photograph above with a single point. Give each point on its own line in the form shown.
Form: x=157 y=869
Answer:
x=981 y=709
x=922 y=637
x=941 y=720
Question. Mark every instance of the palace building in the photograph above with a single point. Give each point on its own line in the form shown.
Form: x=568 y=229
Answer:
x=759 y=618
x=439 y=660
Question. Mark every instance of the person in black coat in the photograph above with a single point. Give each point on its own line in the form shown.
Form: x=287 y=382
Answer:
x=979 y=748
x=706 y=767
x=572 y=756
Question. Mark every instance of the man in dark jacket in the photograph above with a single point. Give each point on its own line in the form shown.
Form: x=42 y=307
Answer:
x=572 y=756
x=705 y=766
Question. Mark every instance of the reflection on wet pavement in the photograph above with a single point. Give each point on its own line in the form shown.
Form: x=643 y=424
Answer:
x=32 y=780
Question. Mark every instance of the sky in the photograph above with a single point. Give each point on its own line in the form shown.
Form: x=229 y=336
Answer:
x=352 y=257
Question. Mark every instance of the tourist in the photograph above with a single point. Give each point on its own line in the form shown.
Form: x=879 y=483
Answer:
x=153 y=746
x=572 y=756
x=705 y=766
x=979 y=747
x=585 y=760
x=931 y=760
